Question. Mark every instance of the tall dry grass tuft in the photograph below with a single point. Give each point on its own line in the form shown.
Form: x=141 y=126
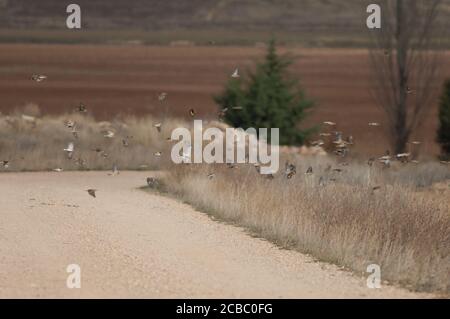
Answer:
x=30 y=142
x=404 y=226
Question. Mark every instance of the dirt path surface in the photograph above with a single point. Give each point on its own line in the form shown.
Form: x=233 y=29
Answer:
x=130 y=243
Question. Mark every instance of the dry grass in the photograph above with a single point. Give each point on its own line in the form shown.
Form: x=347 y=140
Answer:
x=38 y=145
x=404 y=227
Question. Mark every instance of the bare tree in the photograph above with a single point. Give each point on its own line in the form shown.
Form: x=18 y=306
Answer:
x=405 y=63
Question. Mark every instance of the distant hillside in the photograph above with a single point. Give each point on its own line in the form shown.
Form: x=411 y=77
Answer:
x=161 y=14
x=331 y=17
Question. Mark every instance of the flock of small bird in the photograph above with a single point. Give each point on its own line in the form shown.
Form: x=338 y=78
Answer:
x=109 y=134
x=341 y=145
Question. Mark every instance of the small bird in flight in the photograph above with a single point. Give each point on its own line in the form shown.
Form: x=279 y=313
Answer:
x=192 y=112
x=59 y=169
x=158 y=154
x=38 y=77
x=115 y=170
x=158 y=127
x=82 y=108
x=235 y=74
x=69 y=150
x=317 y=143
x=70 y=124
x=309 y=171
x=374 y=124
x=290 y=170
x=329 y=123
x=92 y=192
x=186 y=157
x=152 y=182
x=5 y=164
x=325 y=134
x=108 y=134
x=162 y=96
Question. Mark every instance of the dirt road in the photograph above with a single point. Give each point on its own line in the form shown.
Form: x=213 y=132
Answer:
x=130 y=243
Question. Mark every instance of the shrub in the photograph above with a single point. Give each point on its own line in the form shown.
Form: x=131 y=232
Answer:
x=269 y=99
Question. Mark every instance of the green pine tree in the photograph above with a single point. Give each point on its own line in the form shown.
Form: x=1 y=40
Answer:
x=269 y=99
x=444 y=121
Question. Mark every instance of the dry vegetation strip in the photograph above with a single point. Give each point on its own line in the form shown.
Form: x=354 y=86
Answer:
x=402 y=227
x=30 y=142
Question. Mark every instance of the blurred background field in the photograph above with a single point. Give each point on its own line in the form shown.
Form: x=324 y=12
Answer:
x=116 y=80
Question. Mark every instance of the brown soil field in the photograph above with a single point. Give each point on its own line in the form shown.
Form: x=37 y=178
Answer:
x=115 y=80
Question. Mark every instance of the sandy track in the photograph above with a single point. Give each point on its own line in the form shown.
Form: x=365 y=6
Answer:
x=130 y=243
